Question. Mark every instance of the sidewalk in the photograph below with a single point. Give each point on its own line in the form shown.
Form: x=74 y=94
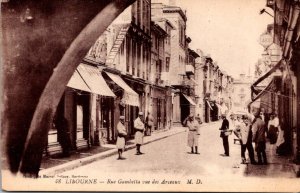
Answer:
x=51 y=166
x=277 y=167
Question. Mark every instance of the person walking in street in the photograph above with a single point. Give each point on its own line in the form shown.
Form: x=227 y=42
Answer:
x=149 y=124
x=259 y=138
x=224 y=128
x=122 y=133
x=245 y=135
x=193 y=134
x=139 y=126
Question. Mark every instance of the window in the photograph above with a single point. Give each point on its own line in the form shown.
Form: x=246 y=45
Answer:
x=156 y=42
x=167 y=64
x=133 y=56
x=128 y=53
x=139 y=47
x=158 y=71
x=144 y=15
x=138 y=12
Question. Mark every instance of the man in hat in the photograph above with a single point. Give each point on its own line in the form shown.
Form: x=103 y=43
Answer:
x=259 y=138
x=122 y=133
x=224 y=128
x=193 y=134
x=139 y=134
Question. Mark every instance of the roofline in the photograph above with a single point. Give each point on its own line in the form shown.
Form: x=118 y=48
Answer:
x=174 y=9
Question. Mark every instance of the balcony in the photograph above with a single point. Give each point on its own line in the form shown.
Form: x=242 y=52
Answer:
x=189 y=69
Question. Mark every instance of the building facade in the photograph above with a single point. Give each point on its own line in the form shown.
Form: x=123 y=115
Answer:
x=177 y=72
x=141 y=63
x=241 y=95
x=281 y=95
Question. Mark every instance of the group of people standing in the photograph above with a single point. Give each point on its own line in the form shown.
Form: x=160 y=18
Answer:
x=253 y=129
x=141 y=127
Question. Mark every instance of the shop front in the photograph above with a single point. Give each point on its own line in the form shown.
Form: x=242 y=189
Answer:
x=74 y=124
x=126 y=103
x=159 y=107
x=187 y=106
x=276 y=97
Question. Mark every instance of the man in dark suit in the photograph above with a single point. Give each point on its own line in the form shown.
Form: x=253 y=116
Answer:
x=259 y=131
x=224 y=128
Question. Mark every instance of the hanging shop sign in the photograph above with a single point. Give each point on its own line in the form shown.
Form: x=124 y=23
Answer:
x=265 y=40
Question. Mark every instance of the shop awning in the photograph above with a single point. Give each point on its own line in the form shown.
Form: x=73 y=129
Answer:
x=94 y=80
x=78 y=83
x=208 y=103
x=263 y=99
x=271 y=71
x=189 y=99
x=130 y=97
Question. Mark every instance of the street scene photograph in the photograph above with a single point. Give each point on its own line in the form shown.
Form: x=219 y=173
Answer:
x=150 y=95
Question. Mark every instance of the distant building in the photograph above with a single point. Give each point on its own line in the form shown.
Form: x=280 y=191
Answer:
x=241 y=95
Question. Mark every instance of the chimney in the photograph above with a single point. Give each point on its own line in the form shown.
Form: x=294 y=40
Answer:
x=172 y=2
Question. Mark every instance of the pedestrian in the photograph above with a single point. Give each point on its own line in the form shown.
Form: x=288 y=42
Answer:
x=193 y=134
x=245 y=136
x=280 y=143
x=149 y=124
x=225 y=128
x=276 y=125
x=259 y=138
x=122 y=133
x=262 y=116
x=271 y=128
x=139 y=127
x=272 y=133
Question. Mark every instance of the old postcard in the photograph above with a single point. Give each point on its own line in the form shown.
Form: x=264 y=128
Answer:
x=150 y=95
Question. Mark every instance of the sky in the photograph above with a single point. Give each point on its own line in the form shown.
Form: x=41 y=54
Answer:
x=228 y=30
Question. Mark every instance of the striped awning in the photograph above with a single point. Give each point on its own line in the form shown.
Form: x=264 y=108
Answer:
x=93 y=78
x=130 y=97
x=78 y=83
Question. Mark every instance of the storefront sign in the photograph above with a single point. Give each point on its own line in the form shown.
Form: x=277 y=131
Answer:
x=117 y=44
x=98 y=51
x=265 y=40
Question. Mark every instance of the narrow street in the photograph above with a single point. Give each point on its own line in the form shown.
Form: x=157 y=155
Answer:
x=169 y=158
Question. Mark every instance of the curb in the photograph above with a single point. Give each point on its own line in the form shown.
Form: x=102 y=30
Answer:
x=87 y=160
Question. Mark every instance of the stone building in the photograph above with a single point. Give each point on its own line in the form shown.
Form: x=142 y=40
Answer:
x=178 y=59
x=241 y=93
